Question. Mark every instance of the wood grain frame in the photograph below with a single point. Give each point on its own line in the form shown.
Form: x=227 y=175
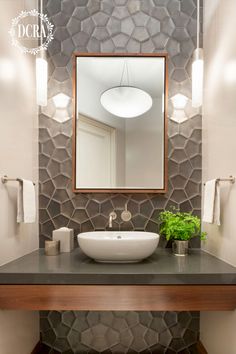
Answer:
x=118 y=297
x=119 y=190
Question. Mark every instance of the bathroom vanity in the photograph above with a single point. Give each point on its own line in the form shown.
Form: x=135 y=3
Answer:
x=198 y=282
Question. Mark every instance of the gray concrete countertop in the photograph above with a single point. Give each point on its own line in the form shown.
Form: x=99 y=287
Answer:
x=75 y=268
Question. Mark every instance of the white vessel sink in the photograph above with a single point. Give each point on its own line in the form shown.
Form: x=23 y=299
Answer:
x=118 y=246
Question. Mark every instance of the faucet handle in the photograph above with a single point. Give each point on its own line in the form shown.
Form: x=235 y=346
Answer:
x=126 y=214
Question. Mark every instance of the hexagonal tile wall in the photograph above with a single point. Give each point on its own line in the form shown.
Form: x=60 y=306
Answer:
x=117 y=26
x=120 y=332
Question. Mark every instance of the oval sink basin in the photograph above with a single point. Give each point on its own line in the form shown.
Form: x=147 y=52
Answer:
x=118 y=246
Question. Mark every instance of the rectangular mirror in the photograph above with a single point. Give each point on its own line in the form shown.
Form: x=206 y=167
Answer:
x=120 y=123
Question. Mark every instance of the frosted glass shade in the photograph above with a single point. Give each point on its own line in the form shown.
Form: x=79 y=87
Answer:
x=126 y=101
x=197 y=78
x=41 y=81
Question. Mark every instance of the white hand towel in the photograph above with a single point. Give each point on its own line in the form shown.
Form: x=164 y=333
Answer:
x=26 y=202
x=211 y=207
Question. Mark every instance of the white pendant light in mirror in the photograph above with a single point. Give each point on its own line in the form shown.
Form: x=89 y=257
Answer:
x=126 y=101
x=41 y=73
x=197 y=68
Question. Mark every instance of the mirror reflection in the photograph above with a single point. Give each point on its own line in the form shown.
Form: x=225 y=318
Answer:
x=120 y=122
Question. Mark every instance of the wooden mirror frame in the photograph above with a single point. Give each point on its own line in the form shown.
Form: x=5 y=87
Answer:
x=165 y=162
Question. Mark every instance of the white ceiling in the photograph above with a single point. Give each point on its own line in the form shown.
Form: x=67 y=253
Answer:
x=146 y=73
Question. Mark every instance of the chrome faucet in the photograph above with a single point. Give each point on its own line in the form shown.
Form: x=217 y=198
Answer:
x=112 y=216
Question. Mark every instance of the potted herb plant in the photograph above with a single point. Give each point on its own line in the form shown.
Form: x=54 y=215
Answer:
x=180 y=227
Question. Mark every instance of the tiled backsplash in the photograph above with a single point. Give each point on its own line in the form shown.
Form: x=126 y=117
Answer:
x=127 y=26
x=117 y=26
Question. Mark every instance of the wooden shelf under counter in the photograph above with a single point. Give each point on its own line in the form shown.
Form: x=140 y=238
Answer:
x=71 y=281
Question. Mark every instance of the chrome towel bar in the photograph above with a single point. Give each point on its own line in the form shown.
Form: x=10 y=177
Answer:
x=6 y=179
x=230 y=179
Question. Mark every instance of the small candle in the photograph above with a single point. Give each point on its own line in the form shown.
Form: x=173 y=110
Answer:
x=52 y=248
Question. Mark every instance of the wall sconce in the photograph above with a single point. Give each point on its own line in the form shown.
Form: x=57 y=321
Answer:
x=41 y=81
x=197 y=68
x=61 y=100
x=179 y=102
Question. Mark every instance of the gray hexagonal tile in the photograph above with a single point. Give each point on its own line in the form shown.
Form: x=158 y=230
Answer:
x=145 y=318
x=47 y=188
x=158 y=324
x=107 y=7
x=73 y=26
x=151 y=337
x=68 y=318
x=93 y=6
x=146 y=208
x=107 y=46
x=49 y=337
x=100 y=33
x=139 y=342
x=177 y=344
x=67 y=209
x=81 y=13
x=80 y=215
x=132 y=318
x=62 y=330
x=54 y=318
x=178 y=181
x=99 y=337
x=73 y=339
x=173 y=47
x=134 y=6
x=173 y=7
x=160 y=40
x=147 y=46
x=120 y=12
x=92 y=208
x=120 y=40
x=53 y=7
x=140 y=19
x=140 y=34
x=99 y=222
x=100 y=19
x=159 y=13
x=165 y=338
x=188 y=7
x=153 y=26
x=180 y=19
x=87 y=226
x=133 y=46
x=127 y=26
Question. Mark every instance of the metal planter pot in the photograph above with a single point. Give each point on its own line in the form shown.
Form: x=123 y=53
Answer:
x=180 y=248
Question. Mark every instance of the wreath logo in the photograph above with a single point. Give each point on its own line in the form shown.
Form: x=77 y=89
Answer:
x=20 y=29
